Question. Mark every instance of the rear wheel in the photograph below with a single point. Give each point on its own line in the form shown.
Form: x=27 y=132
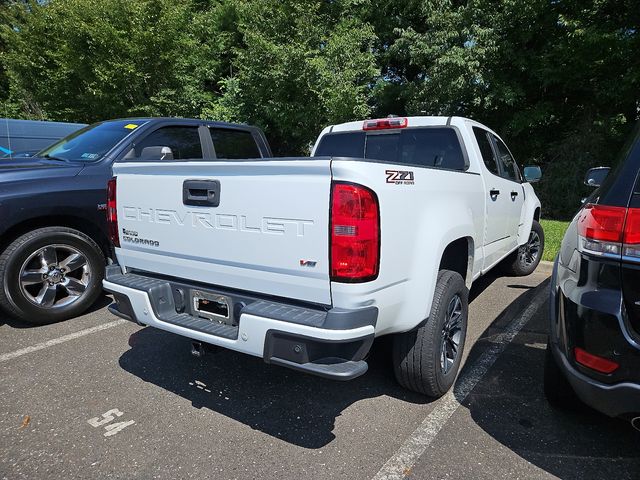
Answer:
x=426 y=360
x=525 y=260
x=50 y=274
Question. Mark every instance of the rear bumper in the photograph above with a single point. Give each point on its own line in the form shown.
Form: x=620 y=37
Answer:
x=331 y=344
x=588 y=314
x=618 y=400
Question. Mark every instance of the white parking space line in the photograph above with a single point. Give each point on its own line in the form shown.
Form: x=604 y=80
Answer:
x=57 y=341
x=398 y=466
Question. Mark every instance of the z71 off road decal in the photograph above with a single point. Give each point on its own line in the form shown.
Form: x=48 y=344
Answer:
x=400 y=177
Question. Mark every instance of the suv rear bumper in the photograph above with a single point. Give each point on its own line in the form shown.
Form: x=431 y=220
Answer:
x=593 y=314
x=329 y=343
x=618 y=400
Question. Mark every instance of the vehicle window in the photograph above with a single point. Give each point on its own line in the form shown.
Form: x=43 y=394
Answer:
x=507 y=163
x=230 y=143
x=486 y=150
x=184 y=143
x=91 y=143
x=426 y=147
x=431 y=147
x=383 y=147
x=341 y=145
x=635 y=197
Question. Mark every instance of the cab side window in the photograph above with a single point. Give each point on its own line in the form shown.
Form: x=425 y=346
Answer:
x=183 y=142
x=490 y=160
x=508 y=167
x=230 y=143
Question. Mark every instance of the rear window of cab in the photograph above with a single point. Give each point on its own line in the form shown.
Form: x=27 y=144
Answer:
x=435 y=147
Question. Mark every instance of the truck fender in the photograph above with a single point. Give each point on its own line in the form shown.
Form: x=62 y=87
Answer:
x=530 y=212
x=458 y=226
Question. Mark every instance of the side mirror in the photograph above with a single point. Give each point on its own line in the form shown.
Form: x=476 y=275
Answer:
x=595 y=176
x=156 y=153
x=532 y=174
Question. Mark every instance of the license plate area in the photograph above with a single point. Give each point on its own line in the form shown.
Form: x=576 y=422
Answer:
x=213 y=307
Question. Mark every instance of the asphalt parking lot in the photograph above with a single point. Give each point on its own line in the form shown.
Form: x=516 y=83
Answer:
x=99 y=397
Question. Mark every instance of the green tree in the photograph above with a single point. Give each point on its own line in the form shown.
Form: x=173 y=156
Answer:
x=302 y=64
x=87 y=60
x=9 y=18
x=559 y=80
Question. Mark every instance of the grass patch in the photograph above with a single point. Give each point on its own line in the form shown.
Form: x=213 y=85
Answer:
x=553 y=233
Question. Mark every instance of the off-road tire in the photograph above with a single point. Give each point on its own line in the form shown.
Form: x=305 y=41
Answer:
x=417 y=353
x=513 y=264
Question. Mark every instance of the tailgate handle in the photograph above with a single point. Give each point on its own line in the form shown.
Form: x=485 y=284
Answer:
x=202 y=193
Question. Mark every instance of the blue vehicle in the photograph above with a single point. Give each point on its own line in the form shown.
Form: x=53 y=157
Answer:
x=53 y=234
x=19 y=154
x=24 y=138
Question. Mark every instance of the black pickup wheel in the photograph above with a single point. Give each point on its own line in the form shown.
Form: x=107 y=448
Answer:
x=50 y=274
x=525 y=260
x=426 y=360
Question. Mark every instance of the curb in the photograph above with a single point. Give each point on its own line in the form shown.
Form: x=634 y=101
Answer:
x=545 y=266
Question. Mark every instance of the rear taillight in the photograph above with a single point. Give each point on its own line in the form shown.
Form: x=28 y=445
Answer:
x=355 y=233
x=384 y=123
x=611 y=231
x=631 y=240
x=594 y=362
x=112 y=212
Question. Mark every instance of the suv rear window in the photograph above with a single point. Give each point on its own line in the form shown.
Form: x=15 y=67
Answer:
x=635 y=198
x=422 y=147
x=230 y=143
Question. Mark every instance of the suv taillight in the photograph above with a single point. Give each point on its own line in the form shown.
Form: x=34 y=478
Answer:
x=355 y=233
x=612 y=231
x=631 y=241
x=112 y=213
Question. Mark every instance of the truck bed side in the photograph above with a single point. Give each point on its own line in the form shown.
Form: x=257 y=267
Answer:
x=419 y=218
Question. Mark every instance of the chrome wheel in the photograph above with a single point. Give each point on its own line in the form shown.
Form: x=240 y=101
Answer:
x=529 y=252
x=54 y=276
x=451 y=334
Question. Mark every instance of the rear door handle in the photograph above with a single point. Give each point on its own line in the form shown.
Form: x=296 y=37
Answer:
x=494 y=193
x=201 y=193
x=514 y=195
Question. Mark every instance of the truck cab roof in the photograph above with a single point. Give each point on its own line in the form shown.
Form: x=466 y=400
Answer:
x=198 y=121
x=397 y=124
x=414 y=121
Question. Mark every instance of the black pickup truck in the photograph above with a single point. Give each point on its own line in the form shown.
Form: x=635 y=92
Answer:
x=53 y=232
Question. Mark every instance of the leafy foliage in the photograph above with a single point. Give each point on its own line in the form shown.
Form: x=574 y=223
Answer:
x=89 y=60
x=559 y=80
x=300 y=66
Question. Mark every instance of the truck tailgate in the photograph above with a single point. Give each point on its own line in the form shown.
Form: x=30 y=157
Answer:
x=259 y=226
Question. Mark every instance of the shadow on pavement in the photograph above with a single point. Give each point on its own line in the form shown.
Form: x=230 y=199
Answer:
x=297 y=408
x=481 y=284
x=509 y=405
x=294 y=407
x=100 y=303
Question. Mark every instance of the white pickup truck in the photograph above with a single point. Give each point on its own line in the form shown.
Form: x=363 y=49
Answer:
x=303 y=261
